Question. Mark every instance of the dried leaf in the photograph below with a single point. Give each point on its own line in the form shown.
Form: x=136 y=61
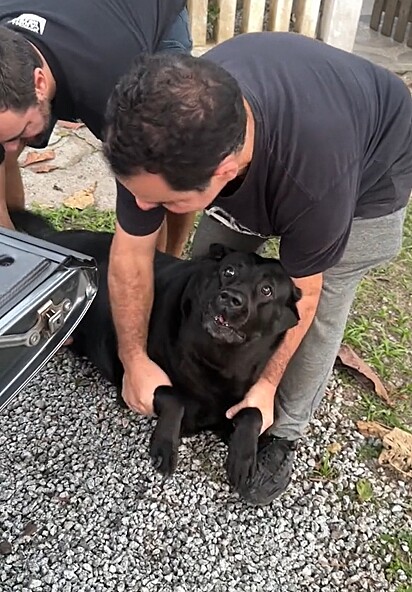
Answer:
x=397 y=445
x=334 y=447
x=30 y=529
x=81 y=199
x=74 y=125
x=44 y=168
x=354 y=363
x=398 y=451
x=372 y=429
x=33 y=157
x=5 y=548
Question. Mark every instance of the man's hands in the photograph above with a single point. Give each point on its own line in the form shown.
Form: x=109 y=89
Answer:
x=141 y=378
x=262 y=396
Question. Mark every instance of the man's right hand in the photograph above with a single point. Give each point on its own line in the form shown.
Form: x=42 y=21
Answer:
x=140 y=381
x=131 y=288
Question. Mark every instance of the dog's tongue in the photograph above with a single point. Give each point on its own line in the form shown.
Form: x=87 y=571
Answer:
x=221 y=320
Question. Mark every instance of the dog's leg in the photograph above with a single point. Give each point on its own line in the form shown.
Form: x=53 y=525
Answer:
x=119 y=399
x=241 y=459
x=164 y=442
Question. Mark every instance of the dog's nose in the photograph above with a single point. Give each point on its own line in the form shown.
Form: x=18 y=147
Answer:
x=231 y=298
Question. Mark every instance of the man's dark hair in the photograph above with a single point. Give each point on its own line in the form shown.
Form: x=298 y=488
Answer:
x=174 y=115
x=18 y=60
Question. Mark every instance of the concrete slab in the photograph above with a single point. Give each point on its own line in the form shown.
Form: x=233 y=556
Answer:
x=378 y=48
x=80 y=165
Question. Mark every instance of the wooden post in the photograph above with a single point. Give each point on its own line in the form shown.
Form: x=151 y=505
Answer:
x=279 y=15
x=226 y=21
x=253 y=13
x=307 y=15
x=377 y=14
x=198 y=20
x=339 y=23
x=403 y=20
x=389 y=18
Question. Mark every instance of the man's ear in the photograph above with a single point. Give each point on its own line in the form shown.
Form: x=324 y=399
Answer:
x=228 y=169
x=218 y=251
x=40 y=84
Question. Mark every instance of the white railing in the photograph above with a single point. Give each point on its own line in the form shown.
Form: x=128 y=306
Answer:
x=214 y=21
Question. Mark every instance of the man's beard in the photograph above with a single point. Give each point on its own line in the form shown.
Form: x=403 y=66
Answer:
x=41 y=139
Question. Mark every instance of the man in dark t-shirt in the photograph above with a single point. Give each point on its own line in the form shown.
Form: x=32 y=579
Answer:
x=61 y=59
x=274 y=134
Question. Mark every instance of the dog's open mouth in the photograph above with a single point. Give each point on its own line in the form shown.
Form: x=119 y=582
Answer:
x=221 y=329
x=221 y=322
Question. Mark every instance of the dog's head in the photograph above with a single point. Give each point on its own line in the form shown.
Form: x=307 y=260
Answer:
x=245 y=297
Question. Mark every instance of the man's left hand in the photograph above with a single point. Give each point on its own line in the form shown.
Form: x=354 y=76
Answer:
x=262 y=396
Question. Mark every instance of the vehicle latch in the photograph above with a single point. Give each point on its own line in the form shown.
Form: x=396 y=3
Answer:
x=50 y=319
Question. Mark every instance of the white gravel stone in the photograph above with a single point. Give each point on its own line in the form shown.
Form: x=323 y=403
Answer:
x=76 y=468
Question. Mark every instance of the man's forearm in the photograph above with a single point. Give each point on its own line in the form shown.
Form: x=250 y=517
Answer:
x=311 y=288
x=131 y=297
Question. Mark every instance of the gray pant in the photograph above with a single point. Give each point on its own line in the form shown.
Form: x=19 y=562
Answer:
x=372 y=242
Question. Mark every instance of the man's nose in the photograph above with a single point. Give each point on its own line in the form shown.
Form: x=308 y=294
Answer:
x=146 y=205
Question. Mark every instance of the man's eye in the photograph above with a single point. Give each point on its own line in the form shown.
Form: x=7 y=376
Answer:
x=229 y=271
x=266 y=290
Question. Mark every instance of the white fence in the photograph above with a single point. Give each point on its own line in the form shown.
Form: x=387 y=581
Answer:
x=333 y=21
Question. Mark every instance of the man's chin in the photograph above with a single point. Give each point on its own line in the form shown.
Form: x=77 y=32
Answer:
x=39 y=141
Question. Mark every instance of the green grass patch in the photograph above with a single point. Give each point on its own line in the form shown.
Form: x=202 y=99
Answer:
x=324 y=469
x=64 y=218
x=373 y=409
x=380 y=330
x=399 y=546
x=368 y=451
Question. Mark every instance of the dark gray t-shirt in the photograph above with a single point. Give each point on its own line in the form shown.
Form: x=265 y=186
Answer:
x=332 y=141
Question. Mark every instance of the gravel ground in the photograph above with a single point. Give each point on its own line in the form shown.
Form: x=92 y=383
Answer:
x=82 y=510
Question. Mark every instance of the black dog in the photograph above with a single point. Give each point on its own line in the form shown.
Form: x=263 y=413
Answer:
x=215 y=323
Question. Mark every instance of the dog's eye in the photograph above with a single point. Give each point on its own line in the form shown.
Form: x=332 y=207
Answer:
x=229 y=271
x=266 y=290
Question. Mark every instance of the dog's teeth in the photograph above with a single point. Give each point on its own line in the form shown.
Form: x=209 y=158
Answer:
x=219 y=319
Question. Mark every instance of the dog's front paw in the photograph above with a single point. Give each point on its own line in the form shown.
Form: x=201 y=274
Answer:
x=241 y=461
x=164 y=453
x=242 y=454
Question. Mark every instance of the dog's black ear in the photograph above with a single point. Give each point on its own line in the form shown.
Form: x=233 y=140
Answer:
x=290 y=314
x=296 y=293
x=189 y=295
x=186 y=307
x=218 y=251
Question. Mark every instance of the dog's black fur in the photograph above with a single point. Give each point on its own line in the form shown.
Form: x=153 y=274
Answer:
x=215 y=323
